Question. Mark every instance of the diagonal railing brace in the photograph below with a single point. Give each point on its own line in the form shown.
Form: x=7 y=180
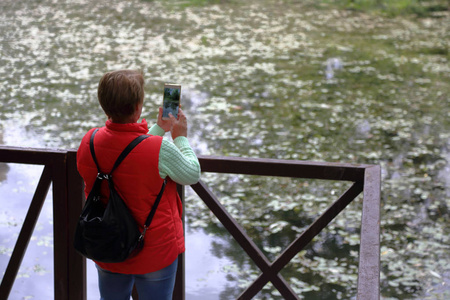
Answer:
x=270 y=272
x=304 y=239
x=25 y=233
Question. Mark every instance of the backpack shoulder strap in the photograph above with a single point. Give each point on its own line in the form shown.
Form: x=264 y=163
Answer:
x=153 y=211
x=155 y=205
x=127 y=150
x=91 y=146
x=122 y=155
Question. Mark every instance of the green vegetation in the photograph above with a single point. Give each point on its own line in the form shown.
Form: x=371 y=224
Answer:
x=391 y=8
x=420 y=8
x=190 y=3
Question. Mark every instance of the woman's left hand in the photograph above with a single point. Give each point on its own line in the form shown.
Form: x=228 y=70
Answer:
x=166 y=125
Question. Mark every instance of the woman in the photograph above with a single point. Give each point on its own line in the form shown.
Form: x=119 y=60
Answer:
x=138 y=180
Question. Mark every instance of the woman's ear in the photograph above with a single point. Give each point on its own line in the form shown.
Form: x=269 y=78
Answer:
x=138 y=111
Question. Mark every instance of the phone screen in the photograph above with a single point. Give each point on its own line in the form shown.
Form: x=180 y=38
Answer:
x=171 y=100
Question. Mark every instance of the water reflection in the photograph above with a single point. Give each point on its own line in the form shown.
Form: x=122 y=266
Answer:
x=205 y=277
x=331 y=66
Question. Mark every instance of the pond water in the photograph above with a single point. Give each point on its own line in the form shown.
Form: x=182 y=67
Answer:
x=267 y=79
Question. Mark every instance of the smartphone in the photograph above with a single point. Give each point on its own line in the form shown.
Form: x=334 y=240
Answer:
x=171 y=100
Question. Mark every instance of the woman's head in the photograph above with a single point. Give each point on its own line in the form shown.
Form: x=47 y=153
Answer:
x=120 y=93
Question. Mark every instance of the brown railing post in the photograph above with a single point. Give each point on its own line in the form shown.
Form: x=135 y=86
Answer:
x=75 y=198
x=60 y=227
x=180 y=288
x=369 y=251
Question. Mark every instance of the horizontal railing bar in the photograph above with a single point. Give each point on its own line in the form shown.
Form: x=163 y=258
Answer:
x=217 y=164
x=25 y=233
x=34 y=156
x=283 y=168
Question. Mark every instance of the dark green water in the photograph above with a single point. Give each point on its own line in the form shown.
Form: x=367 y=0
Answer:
x=266 y=79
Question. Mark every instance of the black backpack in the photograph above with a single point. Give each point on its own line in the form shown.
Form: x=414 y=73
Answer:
x=110 y=233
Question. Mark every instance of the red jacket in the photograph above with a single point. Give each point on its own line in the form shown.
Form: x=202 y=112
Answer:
x=138 y=182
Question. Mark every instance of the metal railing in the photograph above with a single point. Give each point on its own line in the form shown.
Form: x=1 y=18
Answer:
x=68 y=198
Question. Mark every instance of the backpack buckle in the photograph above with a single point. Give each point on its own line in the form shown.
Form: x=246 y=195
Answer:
x=102 y=176
x=143 y=234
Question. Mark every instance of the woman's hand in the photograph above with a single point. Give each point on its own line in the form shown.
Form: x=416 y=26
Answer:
x=166 y=125
x=179 y=126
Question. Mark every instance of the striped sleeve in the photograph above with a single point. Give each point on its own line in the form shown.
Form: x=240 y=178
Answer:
x=177 y=160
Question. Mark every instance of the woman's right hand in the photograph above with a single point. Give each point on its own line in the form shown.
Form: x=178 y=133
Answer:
x=179 y=126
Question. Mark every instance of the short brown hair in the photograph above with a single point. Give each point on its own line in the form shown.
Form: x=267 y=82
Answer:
x=119 y=92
